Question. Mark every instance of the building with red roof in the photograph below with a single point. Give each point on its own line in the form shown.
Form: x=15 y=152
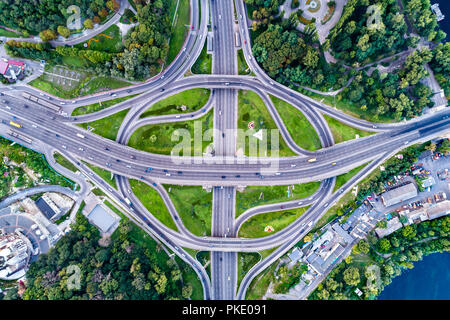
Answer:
x=12 y=69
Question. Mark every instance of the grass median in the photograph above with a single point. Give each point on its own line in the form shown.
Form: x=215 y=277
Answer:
x=260 y=195
x=342 y=132
x=162 y=138
x=252 y=110
x=298 y=126
x=278 y=220
x=153 y=202
x=187 y=101
x=194 y=205
x=107 y=127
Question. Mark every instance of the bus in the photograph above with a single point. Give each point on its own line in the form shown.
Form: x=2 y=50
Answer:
x=15 y=124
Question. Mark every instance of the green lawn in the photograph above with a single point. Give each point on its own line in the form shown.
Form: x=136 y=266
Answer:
x=192 y=99
x=151 y=200
x=104 y=174
x=74 y=62
x=347 y=106
x=107 y=127
x=252 y=108
x=9 y=34
x=158 y=138
x=298 y=126
x=99 y=106
x=89 y=84
x=99 y=84
x=254 y=227
x=342 y=132
x=242 y=65
x=343 y=178
x=203 y=65
x=249 y=198
x=106 y=44
x=194 y=205
x=261 y=282
x=179 y=30
x=64 y=162
x=246 y=260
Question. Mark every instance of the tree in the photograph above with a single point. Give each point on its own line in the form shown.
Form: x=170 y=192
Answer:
x=444 y=147
x=187 y=291
x=48 y=35
x=430 y=147
x=64 y=31
x=88 y=24
x=351 y=276
x=363 y=246
x=409 y=232
x=384 y=245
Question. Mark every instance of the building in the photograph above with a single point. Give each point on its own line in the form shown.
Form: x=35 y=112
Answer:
x=428 y=182
x=328 y=248
x=440 y=209
x=399 y=194
x=102 y=219
x=295 y=255
x=48 y=208
x=14 y=256
x=392 y=225
x=12 y=70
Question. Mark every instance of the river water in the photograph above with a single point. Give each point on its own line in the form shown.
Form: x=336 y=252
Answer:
x=428 y=280
x=444 y=5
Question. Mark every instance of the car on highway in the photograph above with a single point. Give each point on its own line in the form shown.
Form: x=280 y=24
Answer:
x=333 y=163
x=299 y=203
x=282 y=207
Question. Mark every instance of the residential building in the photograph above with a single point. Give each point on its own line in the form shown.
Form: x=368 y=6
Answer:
x=14 y=256
x=12 y=69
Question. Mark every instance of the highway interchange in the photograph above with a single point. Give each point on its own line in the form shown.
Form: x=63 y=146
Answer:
x=224 y=172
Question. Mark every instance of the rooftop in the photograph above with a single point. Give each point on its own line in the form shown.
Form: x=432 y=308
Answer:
x=101 y=218
x=399 y=194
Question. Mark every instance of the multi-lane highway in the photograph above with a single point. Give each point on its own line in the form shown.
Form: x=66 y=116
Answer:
x=224 y=171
